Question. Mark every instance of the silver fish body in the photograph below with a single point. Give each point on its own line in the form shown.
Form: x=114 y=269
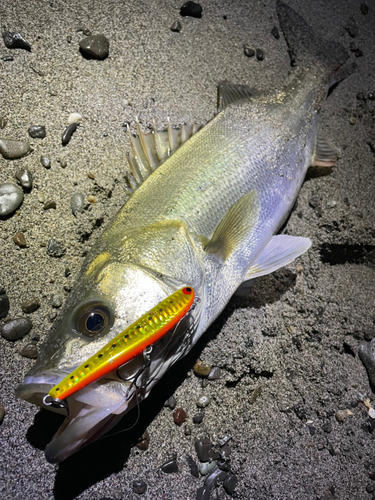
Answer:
x=203 y=218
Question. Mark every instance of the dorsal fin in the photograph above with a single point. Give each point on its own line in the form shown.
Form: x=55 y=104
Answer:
x=149 y=150
x=230 y=93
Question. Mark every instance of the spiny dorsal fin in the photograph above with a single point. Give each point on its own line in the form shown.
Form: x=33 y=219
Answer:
x=149 y=150
x=229 y=93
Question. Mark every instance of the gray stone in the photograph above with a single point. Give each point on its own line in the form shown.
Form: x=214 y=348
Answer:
x=14 y=40
x=37 y=131
x=248 y=51
x=29 y=351
x=176 y=27
x=215 y=373
x=11 y=149
x=20 y=240
x=169 y=466
x=30 y=305
x=55 y=248
x=170 y=403
x=45 y=161
x=203 y=447
x=96 y=46
x=230 y=483
x=49 y=204
x=4 y=304
x=16 y=328
x=56 y=300
x=3 y=122
x=11 y=197
x=207 y=467
x=25 y=178
x=139 y=486
x=192 y=466
x=68 y=132
x=366 y=354
x=77 y=203
x=191 y=9
x=204 y=401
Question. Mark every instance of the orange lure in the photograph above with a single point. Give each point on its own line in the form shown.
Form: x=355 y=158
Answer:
x=128 y=344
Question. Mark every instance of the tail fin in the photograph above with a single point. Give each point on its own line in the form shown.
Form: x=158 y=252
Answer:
x=304 y=45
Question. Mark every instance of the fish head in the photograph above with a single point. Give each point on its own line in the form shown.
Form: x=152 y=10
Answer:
x=110 y=295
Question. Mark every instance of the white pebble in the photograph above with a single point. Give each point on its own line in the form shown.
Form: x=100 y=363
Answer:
x=74 y=118
x=371 y=413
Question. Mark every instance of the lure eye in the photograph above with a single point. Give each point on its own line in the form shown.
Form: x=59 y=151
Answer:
x=94 y=320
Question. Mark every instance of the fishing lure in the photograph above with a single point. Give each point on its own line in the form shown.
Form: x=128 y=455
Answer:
x=129 y=343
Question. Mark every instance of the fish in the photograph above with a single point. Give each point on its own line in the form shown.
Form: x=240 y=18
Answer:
x=204 y=212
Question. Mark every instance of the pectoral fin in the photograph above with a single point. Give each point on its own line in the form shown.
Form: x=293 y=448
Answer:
x=235 y=226
x=279 y=251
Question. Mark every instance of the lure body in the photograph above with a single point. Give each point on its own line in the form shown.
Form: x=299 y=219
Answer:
x=128 y=344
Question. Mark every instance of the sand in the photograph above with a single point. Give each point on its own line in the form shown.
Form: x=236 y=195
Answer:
x=296 y=336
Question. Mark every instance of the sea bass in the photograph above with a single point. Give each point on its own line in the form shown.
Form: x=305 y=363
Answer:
x=204 y=212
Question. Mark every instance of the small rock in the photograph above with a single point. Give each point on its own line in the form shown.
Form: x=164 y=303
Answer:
x=225 y=439
x=215 y=373
x=207 y=467
x=49 y=204
x=170 y=403
x=19 y=239
x=70 y=129
x=2 y=413
x=214 y=478
x=12 y=150
x=25 y=178
x=56 y=300
x=255 y=394
x=144 y=441
x=259 y=54
x=55 y=248
x=248 y=51
x=87 y=32
x=198 y=418
x=191 y=9
x=91 y=199
x=204 y=401
x=364 y=8
x=29 y=351
x=179 y=416
x=16 y=329
x=187 y=430
x=4 y=304
x=352 y=120
x=14 y=40
x=41 y=198
x=352 y=29
x=11 y=197
x=169 y=466
x=176 y=27
x=201 y=368
x=45 y=161
x=192 y=466
x=30 y=305
x=77 y=202
x=139 y=486
x=366 y=354
x=74 y=118
x=96 y=46
x=67 y=272
x=202 y=448
x=8 y=58
x=327 y=427
x=91 y=176
x=230 y=483
x=275 y=32
x=37 y=131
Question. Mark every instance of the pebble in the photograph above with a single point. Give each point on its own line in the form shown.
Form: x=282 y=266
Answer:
x=176 y=27
x=4 y=303
x=191 y=9
x=216 y=477
x=202 y=448
x=275 y=32
x=144 y=441
x=259 y=54
x=37 y=131
x=230 y=483
x=364 y=8
x=8 y=58
x=249 y=52
x=11 y=149
x=41 y=198
x=170 y=403
x=19 y=239
x=45 y=161
x=139 y=486
x=87 y=32
x=179 y=416
x=2 y=413
x=55 y=248
x=201 y=368
x=169 y=466
x=11 y=197
x=56 y=300
x=3 y=122
x=29 y=351
x=352 y=29
x=192 y=466
x=16 y=329
x=187 y=430
x=255 y=394
x=49 y=204
x=74 y=118
x=207 y=467
x=215 y=373
x=366 y=354
x=198 y=417
x=63 y=163
x=96 y=46
x=77 y=203
x=204 y=401
x=91 y=199
x=25 y=178
x=30 y=305
x=14 y=40
x=225 y=439
x=70 y=129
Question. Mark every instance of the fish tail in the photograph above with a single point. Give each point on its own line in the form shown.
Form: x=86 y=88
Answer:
x=304 y=46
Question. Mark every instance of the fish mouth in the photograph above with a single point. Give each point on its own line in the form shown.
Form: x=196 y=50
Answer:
x=90 y=413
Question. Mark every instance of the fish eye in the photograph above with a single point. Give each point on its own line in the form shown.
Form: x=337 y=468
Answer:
x=93 y=319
